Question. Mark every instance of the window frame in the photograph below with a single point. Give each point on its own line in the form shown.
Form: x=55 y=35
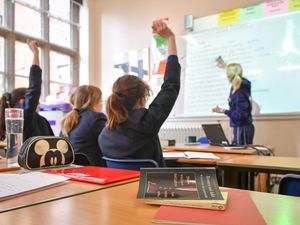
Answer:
x=11 y=36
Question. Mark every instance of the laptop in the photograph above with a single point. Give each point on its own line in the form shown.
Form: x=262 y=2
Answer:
x=216 y=136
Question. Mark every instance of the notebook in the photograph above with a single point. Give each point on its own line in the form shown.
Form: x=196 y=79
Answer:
x=96 y=174
x=216 y=136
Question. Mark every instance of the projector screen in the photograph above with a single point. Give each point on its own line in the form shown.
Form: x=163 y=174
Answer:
x=267 y=47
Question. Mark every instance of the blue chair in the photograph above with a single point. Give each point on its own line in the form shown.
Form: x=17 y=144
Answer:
x=289 y=184
x=203 y=140
x=129 y=164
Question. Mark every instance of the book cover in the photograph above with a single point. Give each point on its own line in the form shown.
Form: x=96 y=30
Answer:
x=240 y=210
x=179 y=183
x=205 y=204
x=96 y=174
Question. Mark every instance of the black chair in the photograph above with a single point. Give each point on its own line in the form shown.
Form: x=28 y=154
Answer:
x=289 y=184
x=81 y=159
x=129 y=164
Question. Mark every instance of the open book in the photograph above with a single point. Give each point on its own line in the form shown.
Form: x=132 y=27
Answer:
x=13 y=185
x=188 y=187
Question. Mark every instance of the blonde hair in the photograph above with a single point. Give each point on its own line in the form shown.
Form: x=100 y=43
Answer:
x=127 y=90
x=84 y=97
x=235 y=74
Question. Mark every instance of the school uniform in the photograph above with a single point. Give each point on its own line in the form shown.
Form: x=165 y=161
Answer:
x=137 y=138
x=34 y=123
x=84 y=136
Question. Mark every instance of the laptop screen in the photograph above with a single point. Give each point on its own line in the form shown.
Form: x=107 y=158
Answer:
x=215 y=134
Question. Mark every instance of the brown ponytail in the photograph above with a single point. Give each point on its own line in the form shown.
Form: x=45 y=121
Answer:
x=84 y=97
x=127 y=90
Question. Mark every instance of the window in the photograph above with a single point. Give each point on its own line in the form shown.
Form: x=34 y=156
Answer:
x=1 y=65
x=27 y=20
x=55 y=25
x=1 y=12
x=60 y=79
x=1 y=54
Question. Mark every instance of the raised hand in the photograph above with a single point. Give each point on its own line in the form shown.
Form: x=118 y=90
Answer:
x=162 y=29
x=33 y=45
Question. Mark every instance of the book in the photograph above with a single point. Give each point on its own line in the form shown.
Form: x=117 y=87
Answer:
x=189 y=155
x=205 y=204
x=240 y=210
x=13 y=185
x=199 y=183
x=96 y=174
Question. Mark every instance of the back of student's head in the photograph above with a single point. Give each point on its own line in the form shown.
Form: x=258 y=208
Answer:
x=10 y=100
x=126 y=92
x=235 y=74
x=84 y=97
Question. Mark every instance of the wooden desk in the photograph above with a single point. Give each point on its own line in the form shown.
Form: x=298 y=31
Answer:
x=268 y=164
x=71 y=188
x=261 y=164
x=209 y=148
x=118 y=205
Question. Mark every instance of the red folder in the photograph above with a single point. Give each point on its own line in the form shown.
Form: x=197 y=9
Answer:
x=240 y=210
x=96 y=174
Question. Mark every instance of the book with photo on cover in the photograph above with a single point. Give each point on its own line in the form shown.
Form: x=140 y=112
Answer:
x=187 y=187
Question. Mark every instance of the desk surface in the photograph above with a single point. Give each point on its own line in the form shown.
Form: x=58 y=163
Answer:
x=209 y=148
x=70 y=188
x=118 y=205
x=4 y=168
x=273 y=164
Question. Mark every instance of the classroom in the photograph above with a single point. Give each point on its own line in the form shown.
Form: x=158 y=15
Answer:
x=92 y=43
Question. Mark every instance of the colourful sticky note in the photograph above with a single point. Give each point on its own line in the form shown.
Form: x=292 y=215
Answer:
x=251 y=12
x=294 y=5
x=272 y=7
x=159 y=40
x=229 y=16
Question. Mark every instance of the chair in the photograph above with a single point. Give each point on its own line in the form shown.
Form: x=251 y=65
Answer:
x=289 y=184
x=81 y=159
x=129 y=164
x=203 y=140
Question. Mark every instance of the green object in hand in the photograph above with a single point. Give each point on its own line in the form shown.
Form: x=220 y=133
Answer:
x=160 y=41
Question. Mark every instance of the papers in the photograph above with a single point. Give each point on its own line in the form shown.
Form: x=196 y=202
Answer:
x=12 y=185
x=189 y=155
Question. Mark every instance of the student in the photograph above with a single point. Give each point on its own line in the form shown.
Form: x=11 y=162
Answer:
x=240 y=105
x=84 y=123
x=132 y=130
x=28 y=100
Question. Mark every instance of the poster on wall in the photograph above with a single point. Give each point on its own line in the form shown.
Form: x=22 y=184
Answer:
x=134 y=62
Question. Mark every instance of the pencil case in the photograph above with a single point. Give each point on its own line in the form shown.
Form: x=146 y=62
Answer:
x=43 y=152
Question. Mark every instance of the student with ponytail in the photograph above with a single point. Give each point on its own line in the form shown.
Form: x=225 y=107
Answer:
x=132 y=130
x=28 y=100
x=240 y=105
x=83 y=124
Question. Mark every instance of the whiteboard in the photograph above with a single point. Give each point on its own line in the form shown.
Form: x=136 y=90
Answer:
x=268 y=48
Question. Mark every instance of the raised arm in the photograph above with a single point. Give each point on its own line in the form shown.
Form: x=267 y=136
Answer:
x=164 y=31
x=33 y=45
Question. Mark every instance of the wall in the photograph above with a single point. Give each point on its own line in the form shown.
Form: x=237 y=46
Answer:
x=123 y=25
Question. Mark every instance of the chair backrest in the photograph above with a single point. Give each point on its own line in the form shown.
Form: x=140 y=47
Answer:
x=289 y=185
x=81 y=159
x=203 y=140
x=129 y=164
